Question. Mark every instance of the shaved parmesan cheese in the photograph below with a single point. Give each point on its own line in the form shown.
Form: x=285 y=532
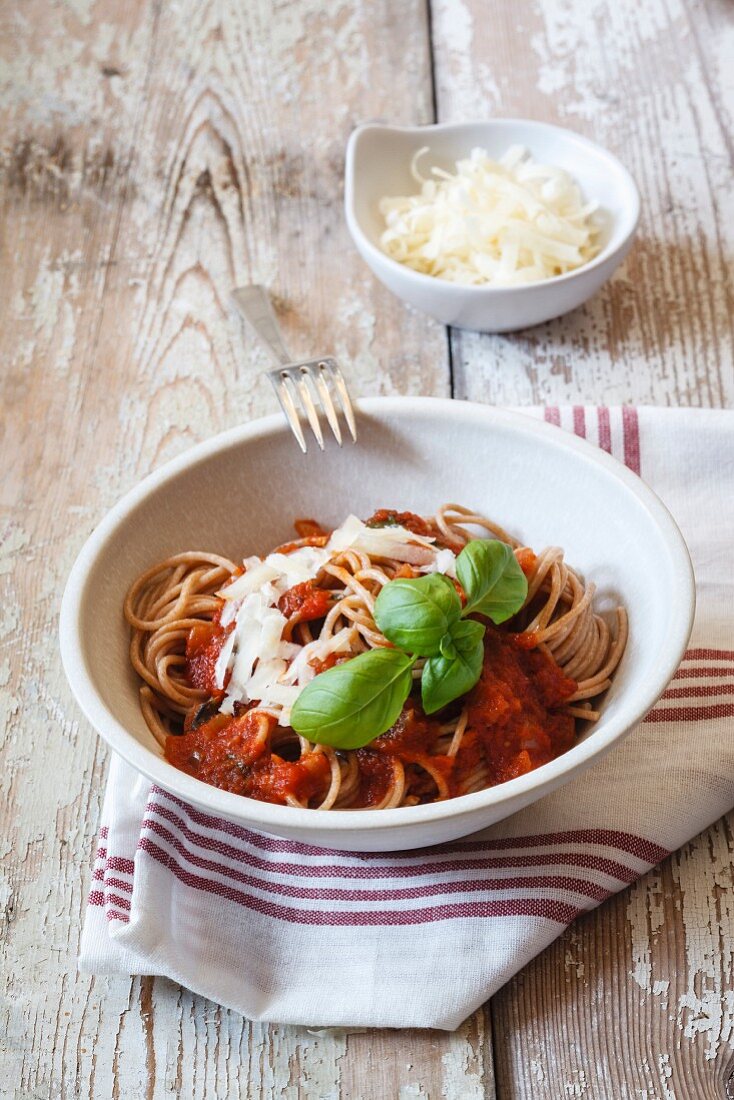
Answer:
x=264 y=678
x=284 y=570
x=250 y=581
x=444 y=562
x=492 y=223
x=407 y=552
x=254 y=651
x=300 y=565
x=284 y=697
x=229 y=611
x=301 y=670
x=344 y=537
x=223 y=660
x=257 y=633
x=394 y=542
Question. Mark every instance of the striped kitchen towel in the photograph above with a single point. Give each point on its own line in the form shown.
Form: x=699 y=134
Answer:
x=287 y=932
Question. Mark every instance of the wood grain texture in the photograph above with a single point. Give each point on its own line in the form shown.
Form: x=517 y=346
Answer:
x=650 y=82
x=636 y=999
x=151 y=157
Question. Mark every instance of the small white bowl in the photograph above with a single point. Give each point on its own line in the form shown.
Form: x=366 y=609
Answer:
x=238 y=494
x=378 y=164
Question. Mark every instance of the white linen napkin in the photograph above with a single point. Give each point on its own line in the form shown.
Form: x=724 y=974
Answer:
x=286 y=932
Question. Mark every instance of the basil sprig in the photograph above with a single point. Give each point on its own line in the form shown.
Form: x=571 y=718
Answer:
x=416 y=614
x=456 y=669
x=350 y=705
x=494 y=583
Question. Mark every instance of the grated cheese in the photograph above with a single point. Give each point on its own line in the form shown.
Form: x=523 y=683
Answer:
x=443 y=562
x=491 y=223
x=261 y=667
x=394 y=542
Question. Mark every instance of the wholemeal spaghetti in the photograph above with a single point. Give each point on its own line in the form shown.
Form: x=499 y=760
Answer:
x=220 y=710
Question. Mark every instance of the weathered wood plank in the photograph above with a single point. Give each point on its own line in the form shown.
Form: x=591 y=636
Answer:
x=635 y=1000
x=647 y=81
x=429 y=1064
x=154 y=156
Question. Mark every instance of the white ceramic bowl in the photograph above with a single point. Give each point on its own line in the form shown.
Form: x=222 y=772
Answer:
x=237 y=494
x=378 y=164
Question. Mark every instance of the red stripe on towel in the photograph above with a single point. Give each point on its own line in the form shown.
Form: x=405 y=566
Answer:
x=560 y=912
x=335 y=893
x=691 y=714
x=579 y=420
x=605 y=430
x=701 y=671
x=709 y=655
x=699 y=692
x=367 y=872
x=631 y=438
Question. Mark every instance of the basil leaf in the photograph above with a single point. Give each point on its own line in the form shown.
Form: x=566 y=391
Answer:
x=492 y=579
x=416 y=613
x=349 y=705
x=444 y=679
x=465 y=634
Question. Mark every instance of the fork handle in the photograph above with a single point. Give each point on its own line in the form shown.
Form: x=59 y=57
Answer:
x=253 y=303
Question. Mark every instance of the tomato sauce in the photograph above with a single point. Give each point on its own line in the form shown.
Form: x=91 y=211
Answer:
x=514 y=725
x=232 y=753
x=304 y=602
x=527 y=560
x=375 y=777
x=386 y=517
x=409 y=742
x=309 y=528
x=515 y=722
x=203 y=647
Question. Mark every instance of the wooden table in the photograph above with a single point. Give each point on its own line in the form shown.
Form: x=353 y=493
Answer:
x=153 y=155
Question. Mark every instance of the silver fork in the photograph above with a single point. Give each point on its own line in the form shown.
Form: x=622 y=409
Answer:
x=297 y=383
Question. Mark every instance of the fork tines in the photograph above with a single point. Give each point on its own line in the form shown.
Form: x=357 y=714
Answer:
x=305 y=387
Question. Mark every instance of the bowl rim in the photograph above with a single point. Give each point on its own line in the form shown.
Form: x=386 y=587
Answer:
x=623 y=231
x=346 y=822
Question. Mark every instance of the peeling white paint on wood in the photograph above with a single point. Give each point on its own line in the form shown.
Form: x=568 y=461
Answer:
x=700 y=990
x=637 y=78
x=151 y=156
x=706 y=1007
